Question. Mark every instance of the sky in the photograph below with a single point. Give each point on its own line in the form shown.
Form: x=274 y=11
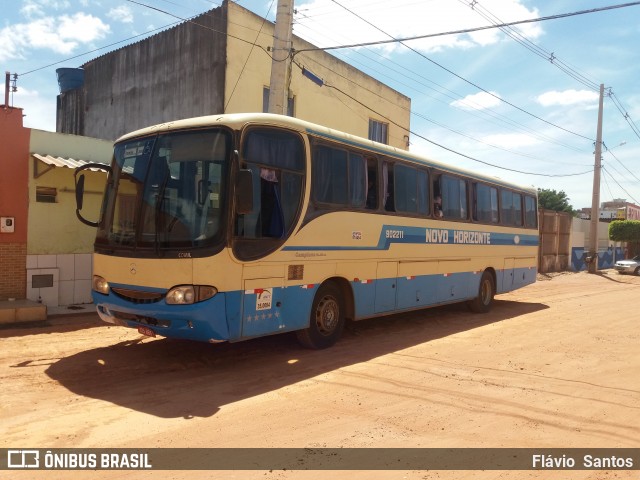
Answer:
x=519 y=103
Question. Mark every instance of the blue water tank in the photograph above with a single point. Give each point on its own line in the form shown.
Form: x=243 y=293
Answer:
x=70 y=78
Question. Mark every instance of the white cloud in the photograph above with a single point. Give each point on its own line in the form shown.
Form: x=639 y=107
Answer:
x=36 y=8
x=567 y=97
x=478 y=101
x=121 y=13
x=510 y=140
x=62 y=34
x=324 y=23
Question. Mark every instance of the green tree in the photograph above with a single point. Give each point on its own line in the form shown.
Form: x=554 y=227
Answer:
x=626 y=231
x=556 y=201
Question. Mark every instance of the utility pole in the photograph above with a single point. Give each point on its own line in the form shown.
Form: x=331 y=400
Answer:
x=278 y=88
x=595 y=201
x=7 y=87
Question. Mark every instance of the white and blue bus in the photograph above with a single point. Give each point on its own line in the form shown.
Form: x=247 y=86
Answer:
x=230 y=227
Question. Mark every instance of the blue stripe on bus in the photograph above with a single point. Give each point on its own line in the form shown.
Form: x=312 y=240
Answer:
x=237 y=315
x=440 y=236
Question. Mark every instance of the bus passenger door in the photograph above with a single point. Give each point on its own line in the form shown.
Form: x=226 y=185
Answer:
x=386 y=286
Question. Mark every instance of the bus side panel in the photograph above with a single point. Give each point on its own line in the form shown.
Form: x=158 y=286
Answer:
x=269 y=309
x=517 y=273
x=417 y=284
x=524 y=271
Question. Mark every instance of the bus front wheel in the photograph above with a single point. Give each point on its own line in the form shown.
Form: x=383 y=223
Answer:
x=482 y=303
x=327 y=318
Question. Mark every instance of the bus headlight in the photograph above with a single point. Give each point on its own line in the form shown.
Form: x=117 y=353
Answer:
x=100 y=285
x=188 y=294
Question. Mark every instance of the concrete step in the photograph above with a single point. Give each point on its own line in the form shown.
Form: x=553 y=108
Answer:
x=16 y=311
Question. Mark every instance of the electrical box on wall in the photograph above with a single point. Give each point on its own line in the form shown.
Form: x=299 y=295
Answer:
x=7 y=224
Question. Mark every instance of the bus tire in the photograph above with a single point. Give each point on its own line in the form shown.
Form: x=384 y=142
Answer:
x=482 y=303
x=327 y=318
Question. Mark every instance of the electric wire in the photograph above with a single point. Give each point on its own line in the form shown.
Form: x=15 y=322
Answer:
x=264 y=20
x=462 y=78
x=473 y=111
x=100 y=48
x=445 y=147
x=604 y=177
x=623 y=165
x=148 y=33
x=624 y=113
x=622 y=188
x=471 y=30
x=516 y=35
x=330 y=86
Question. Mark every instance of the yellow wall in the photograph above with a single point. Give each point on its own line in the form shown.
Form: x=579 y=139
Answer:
x=322 y=105
x=53 y=227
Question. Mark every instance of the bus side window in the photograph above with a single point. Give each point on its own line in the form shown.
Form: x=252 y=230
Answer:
x=454 y=197
x=276 y=159
x=387 y=181
x=530 y=215
x=372 y=184
x=423 y=192
x=437 y=199
x=485 y=208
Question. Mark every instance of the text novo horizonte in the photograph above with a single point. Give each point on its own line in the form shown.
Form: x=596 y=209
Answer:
x=438 y=235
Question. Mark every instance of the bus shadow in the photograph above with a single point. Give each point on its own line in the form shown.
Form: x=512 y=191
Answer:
x=172 y=378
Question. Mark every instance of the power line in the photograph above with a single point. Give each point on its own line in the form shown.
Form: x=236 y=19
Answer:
x=469 y=30
x=180 y=20
x=622 y=164
x=622 y=188
x=624 y=113
x=249 y=55
x=100 y=48
x=401 y=41
x=457 y=98
x=531 y=46
x=443 y=146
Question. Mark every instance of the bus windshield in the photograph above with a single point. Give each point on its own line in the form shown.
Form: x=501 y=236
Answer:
x=167 y=191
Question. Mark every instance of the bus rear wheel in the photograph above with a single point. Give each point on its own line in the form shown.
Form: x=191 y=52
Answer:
x=482 y=303
x=327 y=318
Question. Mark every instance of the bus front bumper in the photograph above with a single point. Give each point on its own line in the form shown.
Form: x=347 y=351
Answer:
x=204 y=321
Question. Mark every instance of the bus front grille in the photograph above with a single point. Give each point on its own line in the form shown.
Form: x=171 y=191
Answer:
x=138 y=296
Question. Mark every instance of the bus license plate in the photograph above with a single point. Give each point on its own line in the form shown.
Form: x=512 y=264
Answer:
x=146 y=331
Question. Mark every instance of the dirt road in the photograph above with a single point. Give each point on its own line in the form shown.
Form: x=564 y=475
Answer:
x=555 y=364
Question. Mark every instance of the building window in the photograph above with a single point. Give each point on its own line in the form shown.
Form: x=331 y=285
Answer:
x=265 y=102
x=378 y=131
x=46 y=194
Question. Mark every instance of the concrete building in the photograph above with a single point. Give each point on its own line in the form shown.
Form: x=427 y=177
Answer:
x=45 y=252
x=616 y=209
x=219 y=63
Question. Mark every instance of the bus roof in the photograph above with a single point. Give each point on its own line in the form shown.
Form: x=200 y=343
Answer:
x=239 y=120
